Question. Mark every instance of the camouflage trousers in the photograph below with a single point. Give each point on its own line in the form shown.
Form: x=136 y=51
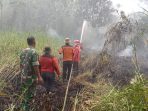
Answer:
x=28 y=90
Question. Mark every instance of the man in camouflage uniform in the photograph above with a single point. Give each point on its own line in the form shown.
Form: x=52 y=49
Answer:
x=29 y=65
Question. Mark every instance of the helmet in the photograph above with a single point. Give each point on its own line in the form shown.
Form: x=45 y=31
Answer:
x=76 y=41
x=67 y=40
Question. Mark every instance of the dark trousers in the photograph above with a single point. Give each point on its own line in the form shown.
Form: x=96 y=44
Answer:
x=67 y=65
x=49 y=80
x=75 y=68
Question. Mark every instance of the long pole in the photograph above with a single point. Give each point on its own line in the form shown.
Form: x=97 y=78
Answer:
x=67 y=89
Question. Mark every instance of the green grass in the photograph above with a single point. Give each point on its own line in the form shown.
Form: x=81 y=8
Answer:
x=11 y=44
x=131 y=98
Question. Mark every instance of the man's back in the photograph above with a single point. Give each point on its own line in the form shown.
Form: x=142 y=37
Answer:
x=28 y=59
x=76 y=51
x=67 y=51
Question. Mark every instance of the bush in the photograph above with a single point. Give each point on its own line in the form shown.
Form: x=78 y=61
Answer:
x=132 y=98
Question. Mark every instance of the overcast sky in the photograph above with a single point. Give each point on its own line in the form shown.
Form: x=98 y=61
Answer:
x=129 y=6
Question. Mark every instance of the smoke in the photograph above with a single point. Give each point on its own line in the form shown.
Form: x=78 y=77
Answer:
x=117 y=38
x=128 y=52
x=52 y=33
x=93 y=38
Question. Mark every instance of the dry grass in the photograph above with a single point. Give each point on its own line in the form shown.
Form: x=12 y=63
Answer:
x=93 y=90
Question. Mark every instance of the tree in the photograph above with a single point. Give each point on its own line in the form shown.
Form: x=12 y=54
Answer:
x=98 y=12
x=64 y=16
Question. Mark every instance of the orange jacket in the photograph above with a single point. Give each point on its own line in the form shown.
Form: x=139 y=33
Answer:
x=49 y=64
x=76 y=51
x=67 y=52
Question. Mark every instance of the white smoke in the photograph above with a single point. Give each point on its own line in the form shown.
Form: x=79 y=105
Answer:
x=126 y=52
x=51 y=32
x=93 y=38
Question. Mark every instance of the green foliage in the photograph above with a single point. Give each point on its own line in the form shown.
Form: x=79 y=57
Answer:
x=11 y=44
x=131 y=98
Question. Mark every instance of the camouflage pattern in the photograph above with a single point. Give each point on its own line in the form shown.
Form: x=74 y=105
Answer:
x=28 y=59
x=28 y=90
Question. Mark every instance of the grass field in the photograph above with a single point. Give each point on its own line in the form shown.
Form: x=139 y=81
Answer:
x=11 y=45
x=100 y=96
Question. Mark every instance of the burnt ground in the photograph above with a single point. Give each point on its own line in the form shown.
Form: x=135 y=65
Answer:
x=54 y=101
x=43 y=100
x=115 y=70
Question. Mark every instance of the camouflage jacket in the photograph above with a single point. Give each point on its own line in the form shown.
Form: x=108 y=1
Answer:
x=28 y=59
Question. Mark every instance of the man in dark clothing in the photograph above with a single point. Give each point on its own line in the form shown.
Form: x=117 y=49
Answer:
x=67 y=51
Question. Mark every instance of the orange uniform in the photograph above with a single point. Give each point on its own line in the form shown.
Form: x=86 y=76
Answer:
x=67 y=52
x=49 y=64
x=76 y=52
x=76 y=58
x=49 y=68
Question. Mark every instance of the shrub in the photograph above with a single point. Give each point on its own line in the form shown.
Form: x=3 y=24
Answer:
x=131 y=98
